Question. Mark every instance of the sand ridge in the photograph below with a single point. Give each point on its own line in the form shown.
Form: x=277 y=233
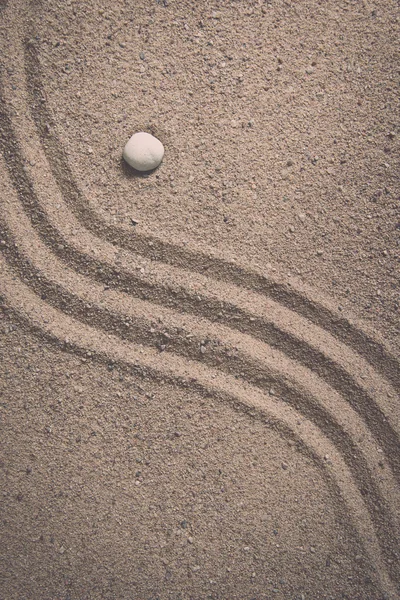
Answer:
x=175 y=316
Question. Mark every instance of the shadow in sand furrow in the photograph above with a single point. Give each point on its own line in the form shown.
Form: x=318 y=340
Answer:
x=240 y=365
x=30 y=312
x=174 y=255
x=184 y=302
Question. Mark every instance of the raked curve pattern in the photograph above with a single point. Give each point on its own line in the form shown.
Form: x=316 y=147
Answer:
x=280 y=353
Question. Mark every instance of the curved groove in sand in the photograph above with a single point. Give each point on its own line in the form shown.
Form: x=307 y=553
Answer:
x=184 y=259
x=55 y=326
x=257 y=364
x=273 y=332
x=61 y=172
x=171 y=254
x=356 y=476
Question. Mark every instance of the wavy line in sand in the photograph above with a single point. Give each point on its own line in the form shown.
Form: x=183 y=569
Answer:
x=219 y=276
x=62 y=174
x=272 y=331
x=166 y=300
x=252 y=362
x=56 y=328
x=178 y=256
x=168 y=253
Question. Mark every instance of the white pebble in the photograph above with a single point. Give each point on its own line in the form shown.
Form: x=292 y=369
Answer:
x=143 y=152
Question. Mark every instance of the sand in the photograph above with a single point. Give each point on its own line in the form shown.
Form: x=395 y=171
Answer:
x=199 y=365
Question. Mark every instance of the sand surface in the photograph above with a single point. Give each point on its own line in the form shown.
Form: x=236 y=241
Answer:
x=200 y=365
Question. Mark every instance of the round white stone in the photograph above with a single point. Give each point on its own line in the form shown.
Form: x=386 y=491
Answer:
x=143 y=152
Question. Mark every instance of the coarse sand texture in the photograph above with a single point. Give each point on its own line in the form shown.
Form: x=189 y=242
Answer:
x=199 y=350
